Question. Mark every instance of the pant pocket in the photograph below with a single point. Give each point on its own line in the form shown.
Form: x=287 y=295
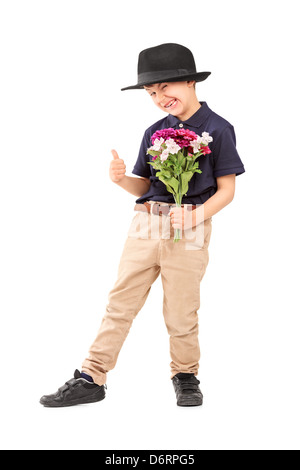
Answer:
x=198 y=238
x=139 y=227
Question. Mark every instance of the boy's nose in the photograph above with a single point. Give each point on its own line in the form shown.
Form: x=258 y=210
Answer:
x=160 y=96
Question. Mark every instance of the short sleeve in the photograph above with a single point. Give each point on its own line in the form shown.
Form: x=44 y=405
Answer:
x=142 y=168
x=225 y=156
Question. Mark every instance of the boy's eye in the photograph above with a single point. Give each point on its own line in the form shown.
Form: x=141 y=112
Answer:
x=153 y=93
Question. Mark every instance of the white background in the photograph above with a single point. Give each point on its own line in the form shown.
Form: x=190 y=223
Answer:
x=63 y=64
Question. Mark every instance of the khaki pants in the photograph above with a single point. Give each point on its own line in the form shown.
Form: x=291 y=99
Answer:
x=149 y=251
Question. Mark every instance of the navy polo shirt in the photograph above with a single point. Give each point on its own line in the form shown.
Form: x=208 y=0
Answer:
x=223 y=159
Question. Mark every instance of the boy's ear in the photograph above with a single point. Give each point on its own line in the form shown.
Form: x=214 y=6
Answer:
x=191 y=83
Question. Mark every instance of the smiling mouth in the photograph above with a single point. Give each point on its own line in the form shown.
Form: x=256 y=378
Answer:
x=171 y=103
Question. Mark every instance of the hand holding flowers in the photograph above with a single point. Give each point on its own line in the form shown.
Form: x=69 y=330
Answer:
x=182 y=220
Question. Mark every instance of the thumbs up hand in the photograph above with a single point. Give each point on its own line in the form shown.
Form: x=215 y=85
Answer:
x=117 y=168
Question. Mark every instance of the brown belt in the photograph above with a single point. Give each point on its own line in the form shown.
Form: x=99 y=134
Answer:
x=157 y=209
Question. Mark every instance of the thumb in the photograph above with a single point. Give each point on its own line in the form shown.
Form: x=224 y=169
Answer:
x=115 y=154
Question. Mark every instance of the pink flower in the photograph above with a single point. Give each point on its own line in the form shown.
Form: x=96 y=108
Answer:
x=164 y=134
x=176 y=139
x=206 y=150
x=182 y=137
x=190 y=135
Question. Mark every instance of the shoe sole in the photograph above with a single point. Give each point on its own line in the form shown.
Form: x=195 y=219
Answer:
x=79 y=401
x=190 y=403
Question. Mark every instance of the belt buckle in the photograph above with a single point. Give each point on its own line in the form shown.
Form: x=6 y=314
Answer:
x=155 y=208
x=158 y=209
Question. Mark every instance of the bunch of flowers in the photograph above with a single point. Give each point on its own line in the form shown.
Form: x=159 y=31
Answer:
x=174 y=153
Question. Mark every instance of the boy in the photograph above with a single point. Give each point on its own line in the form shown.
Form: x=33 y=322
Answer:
x=168 y=73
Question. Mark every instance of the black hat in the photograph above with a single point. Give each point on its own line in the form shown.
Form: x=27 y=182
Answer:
x=166 y=63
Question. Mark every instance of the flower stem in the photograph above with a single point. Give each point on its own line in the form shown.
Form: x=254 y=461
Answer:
x=178 y=200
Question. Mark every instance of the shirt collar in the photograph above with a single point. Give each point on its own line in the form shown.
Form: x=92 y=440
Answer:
x=194 y=121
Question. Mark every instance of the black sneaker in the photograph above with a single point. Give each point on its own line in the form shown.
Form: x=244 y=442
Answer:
x=187 y=390
x=77 y=391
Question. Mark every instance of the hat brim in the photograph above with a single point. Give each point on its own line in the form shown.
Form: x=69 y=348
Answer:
x=198 y=77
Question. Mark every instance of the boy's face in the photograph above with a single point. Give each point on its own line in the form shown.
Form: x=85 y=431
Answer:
x=173 y=97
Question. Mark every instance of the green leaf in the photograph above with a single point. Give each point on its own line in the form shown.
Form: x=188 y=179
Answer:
x=191 y=165
x=153 y=153
x=185 y=179
x=180 y=158
x=172 y=158
x=173 y=182
x=183 y=163
x=170 y=183
x=170 y=189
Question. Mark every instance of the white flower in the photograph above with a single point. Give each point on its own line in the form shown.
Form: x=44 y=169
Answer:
x=196 y=144
x=206 y=138
x=157 y=144
x=164 y=155
x=172 y=147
